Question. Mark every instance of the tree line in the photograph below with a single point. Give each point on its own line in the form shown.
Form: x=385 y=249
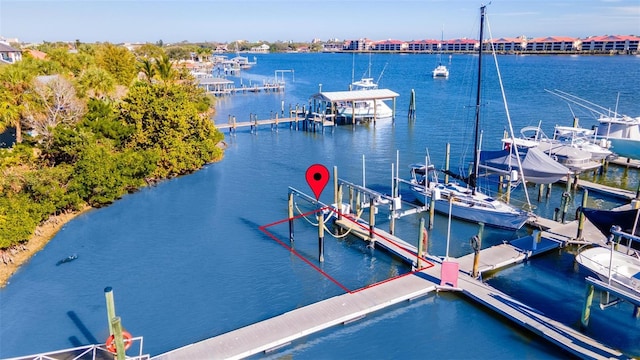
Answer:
x=91 y=124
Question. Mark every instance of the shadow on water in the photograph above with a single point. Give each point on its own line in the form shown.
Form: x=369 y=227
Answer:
x=83 y=329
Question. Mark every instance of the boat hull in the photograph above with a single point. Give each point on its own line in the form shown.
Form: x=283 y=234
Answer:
x=625 y=269
x=629 y=148
x=497 y=219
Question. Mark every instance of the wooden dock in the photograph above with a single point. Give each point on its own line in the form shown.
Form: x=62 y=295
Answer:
x=272 y=334
x=311 y=122
x=279 y=331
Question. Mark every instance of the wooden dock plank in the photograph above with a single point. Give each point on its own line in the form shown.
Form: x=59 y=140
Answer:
x=554 y=331
x=283 y=329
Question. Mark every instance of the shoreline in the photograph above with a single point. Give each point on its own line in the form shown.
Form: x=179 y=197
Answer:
x=38 y=240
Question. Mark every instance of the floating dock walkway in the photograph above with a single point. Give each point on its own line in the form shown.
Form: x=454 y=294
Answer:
x=272 y=334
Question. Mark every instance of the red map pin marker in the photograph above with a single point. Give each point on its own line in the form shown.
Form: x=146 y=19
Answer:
x=317 y=177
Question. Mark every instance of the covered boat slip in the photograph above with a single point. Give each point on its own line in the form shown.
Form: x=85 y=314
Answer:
x=330 y=102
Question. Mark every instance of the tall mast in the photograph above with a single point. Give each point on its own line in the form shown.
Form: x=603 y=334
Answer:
x=473 y=176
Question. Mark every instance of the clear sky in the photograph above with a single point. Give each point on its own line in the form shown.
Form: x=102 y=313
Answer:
x=304 y=20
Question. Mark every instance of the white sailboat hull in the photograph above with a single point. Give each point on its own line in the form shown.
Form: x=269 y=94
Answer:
x=477 y=208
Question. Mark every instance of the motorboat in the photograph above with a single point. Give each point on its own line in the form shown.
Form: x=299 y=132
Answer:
x=583 y=139
x=621 y=131
x=462 y=202
x=534 y=165
x=574 y=158
x=466 y=201
x=364 y=110
x=613 y=267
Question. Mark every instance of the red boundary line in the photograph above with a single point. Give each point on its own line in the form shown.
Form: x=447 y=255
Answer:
x=263 y=228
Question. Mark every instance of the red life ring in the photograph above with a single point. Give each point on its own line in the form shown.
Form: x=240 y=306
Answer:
x=111 y=343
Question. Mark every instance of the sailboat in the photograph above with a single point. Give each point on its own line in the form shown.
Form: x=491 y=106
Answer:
x=441 y=70
x=462 y=201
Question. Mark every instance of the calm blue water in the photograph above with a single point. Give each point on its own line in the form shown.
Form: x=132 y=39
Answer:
x=187 y=260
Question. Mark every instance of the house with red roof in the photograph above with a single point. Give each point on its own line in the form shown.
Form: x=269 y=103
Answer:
x=389 y=45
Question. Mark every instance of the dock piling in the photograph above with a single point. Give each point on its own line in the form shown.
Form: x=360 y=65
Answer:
x=116 y=323
x=586 y=310
x=585 y=196
x=320 y=236
x=422 y=239
x=476 y=245
x=291 y=237
x=111 y=307
x=372 y=221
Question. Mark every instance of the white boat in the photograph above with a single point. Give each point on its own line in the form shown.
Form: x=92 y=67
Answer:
x=574 y=158
x=622 y=132
x=583 y=139
x=466 y=201
x=613 y=267
x=364 y=110
x=441 y=70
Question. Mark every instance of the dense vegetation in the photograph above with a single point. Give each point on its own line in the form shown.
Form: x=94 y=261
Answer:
x=91 y=125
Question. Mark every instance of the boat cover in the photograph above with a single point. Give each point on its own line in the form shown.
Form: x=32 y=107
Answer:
x=538 y=167
x=604 y=219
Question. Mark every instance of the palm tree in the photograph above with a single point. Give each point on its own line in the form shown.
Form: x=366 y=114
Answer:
x=148 y=69
x=15 y=82
x=164 y=68
x=95 y=82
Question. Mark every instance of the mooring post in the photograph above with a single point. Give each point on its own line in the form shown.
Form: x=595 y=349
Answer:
x=291 y=238
x=585 y=196
x=446 y=164
x=111 y=307
x=508 y=196
x=421 y=244
x=351 y=206
x=540 y=192
x=476 y=244
x=432 y=209
x=118 y=339
x=565 y=202
x=536 y=237
x=586 y=310
x=320 y=236
x=548 y=191
x=372 y=220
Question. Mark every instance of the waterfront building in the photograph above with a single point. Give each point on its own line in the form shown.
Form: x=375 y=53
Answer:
x=611 y=43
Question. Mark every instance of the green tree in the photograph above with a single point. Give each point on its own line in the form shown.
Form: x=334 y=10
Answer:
x=168 y=119
x=15 y=82
x=148 y=51
x=118 y=61
x=164 y=68
x=148 y=68
x=95 y=82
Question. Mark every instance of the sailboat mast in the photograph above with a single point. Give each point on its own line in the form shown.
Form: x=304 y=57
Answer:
x=476 y=152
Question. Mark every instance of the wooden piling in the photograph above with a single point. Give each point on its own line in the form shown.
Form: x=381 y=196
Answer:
x=549 y=186
x=320 y=236
x=412 y=105
x=432 y=210
x=476 y=244
x=118 y=339
x=421 y=243
x=111 y=307
x=446 y=164
x=586 y=310
x=372 y=221
x=540 y=192
x=585 y=196
x=291 y=237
